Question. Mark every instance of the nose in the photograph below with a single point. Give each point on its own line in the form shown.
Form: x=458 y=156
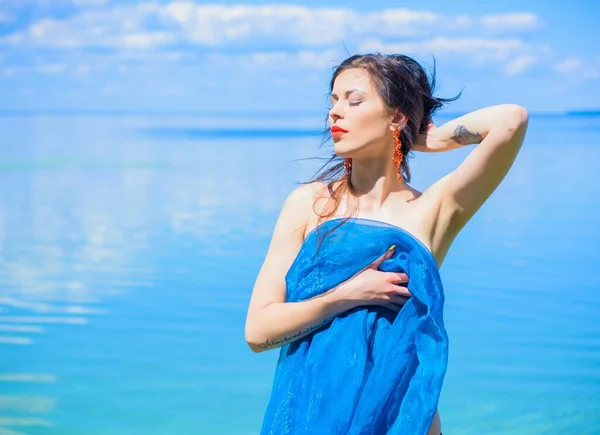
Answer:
x=335 y=112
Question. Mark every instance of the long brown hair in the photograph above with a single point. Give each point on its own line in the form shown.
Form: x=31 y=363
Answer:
x=404 y=86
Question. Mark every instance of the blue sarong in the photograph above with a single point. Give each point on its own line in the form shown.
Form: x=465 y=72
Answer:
x=370 y=371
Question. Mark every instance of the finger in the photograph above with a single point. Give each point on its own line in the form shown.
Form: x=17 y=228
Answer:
x=399 y=301
x=375 y=264
x=400 y=291
x=397 y=277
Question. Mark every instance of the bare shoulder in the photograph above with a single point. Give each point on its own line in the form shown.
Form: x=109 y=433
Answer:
x=296 y=211
x=303 y=196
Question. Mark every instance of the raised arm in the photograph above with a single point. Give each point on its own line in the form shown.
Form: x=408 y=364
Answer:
x=498 y=132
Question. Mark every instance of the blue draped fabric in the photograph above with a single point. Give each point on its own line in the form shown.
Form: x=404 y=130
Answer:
x=370 y=371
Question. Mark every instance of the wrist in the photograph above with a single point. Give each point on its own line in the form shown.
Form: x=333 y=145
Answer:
x=335 y=300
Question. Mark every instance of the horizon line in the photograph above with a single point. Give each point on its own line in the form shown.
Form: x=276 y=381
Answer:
x=269 y=112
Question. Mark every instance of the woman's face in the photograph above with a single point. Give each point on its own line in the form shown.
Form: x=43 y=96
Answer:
x=357 y=108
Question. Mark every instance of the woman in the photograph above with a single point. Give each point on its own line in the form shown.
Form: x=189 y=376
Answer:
x=363 y=345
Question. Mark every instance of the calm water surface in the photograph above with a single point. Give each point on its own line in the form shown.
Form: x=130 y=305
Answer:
x=129 y=246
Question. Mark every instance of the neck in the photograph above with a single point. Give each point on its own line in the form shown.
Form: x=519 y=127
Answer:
x=374 y=181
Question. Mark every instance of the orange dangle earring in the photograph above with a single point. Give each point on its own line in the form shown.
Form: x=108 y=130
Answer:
x=348 y=168
x=398 y=155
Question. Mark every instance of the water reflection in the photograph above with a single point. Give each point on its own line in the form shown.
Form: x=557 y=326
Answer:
x=127 y=258
x=84 y=210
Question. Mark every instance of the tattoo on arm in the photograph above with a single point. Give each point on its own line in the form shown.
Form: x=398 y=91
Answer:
x=275 y=343
x=463 y=136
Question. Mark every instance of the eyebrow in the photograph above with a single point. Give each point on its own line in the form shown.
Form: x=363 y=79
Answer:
x=348 y=92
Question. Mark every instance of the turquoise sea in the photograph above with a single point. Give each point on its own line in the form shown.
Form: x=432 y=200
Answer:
x=129 y=244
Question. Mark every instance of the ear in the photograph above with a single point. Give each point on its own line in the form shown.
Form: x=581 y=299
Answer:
x=398 y=121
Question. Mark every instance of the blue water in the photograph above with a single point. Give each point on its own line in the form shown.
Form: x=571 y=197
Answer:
x=129 y=246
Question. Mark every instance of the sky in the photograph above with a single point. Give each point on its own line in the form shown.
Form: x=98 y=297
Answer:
x=240 y=57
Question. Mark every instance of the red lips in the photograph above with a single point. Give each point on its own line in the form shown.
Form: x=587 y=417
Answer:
x=337 y=129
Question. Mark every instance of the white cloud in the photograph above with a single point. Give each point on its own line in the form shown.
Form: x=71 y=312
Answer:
x=52 y=68
x=88 y=3
x=117 y=28
x=146 y=39
x=579 y=68
x=9 y=71
x=82 y=68
x=12 y=39
x=511 y=22
x=591 y=73
x=150 y=24
x=302 y=59
x=569 y=65
x=289 y=36
x=476 y=49
x=519 y=65
x=400 y=22
x=79 y=64
x=37 y=5
x=214 y=25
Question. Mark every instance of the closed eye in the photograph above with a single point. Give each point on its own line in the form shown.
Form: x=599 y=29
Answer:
x=350 y=103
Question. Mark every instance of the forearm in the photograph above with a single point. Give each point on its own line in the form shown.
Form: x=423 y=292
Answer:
x=281 y=323
x=471 y=128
